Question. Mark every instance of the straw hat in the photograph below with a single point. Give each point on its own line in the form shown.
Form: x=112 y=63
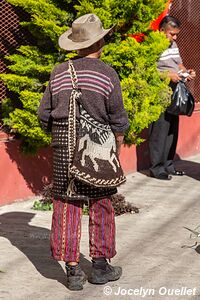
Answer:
x=85 y=31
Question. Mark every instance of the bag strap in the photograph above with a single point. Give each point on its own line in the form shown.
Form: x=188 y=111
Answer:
x=73 y=75
x=75 y=94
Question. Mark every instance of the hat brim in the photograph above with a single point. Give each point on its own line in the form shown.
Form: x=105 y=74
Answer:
x=67 y=44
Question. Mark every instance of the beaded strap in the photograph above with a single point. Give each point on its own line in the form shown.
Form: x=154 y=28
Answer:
x=75 y=94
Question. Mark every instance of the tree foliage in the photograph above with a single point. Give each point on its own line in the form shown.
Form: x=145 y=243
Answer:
x=145 y=94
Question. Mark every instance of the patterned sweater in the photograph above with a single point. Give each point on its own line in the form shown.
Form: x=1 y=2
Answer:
x=101 y=94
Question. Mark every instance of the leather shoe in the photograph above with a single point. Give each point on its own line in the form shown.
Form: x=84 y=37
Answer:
x=177 y=173
x=161 y=176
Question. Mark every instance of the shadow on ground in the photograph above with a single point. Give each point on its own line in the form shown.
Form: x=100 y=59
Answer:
x=34 y=243
x=191 y=168
x=198 y=249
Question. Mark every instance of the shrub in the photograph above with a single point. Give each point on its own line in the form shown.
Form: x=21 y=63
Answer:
x=145 y=94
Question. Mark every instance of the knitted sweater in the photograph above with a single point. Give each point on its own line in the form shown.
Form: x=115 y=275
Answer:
x=101 y=94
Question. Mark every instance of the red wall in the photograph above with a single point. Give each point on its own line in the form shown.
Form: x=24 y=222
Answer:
x=189 y=135
x=23 y=176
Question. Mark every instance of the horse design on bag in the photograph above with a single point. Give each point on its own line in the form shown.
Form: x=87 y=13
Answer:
x=105 y=151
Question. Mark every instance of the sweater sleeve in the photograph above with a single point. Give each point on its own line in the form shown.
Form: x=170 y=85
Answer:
x=45 y=107
x=117 y=115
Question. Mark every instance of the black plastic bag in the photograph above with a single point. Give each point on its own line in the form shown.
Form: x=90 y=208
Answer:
x=182 y=101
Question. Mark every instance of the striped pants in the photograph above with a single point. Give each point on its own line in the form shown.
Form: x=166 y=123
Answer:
x=66 y=230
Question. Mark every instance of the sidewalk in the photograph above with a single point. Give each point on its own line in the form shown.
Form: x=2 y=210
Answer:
x=148 y=245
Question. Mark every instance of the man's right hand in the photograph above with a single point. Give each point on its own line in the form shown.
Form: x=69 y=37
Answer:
x=174 y=77
x=119 y=141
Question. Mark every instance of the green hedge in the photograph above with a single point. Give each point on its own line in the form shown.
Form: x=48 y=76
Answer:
x=145 y=94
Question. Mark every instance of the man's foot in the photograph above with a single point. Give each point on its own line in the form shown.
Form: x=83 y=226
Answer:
x=161 y=176
x=102 y=272
x=177 y=173
x=75 y=277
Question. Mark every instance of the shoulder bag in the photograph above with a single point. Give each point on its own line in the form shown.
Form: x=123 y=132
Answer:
x=93 y=156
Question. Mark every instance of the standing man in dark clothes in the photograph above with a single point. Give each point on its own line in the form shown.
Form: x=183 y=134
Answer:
x=164 y=132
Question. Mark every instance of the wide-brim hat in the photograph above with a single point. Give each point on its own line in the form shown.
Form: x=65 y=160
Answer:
x=85 y=31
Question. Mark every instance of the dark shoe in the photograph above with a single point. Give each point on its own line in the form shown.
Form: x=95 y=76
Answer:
x=161 y=176
x=102 y=272
x=75 y=277
x=177 y=173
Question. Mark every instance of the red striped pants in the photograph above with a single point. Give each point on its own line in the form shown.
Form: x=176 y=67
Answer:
x=66 y=230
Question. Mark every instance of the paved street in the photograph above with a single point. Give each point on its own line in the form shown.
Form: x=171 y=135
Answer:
x=149 y=245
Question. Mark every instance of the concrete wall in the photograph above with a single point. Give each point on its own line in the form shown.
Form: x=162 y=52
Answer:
x=23 y=176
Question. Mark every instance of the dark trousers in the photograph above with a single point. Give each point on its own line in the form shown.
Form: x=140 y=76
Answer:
x=163 y=136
